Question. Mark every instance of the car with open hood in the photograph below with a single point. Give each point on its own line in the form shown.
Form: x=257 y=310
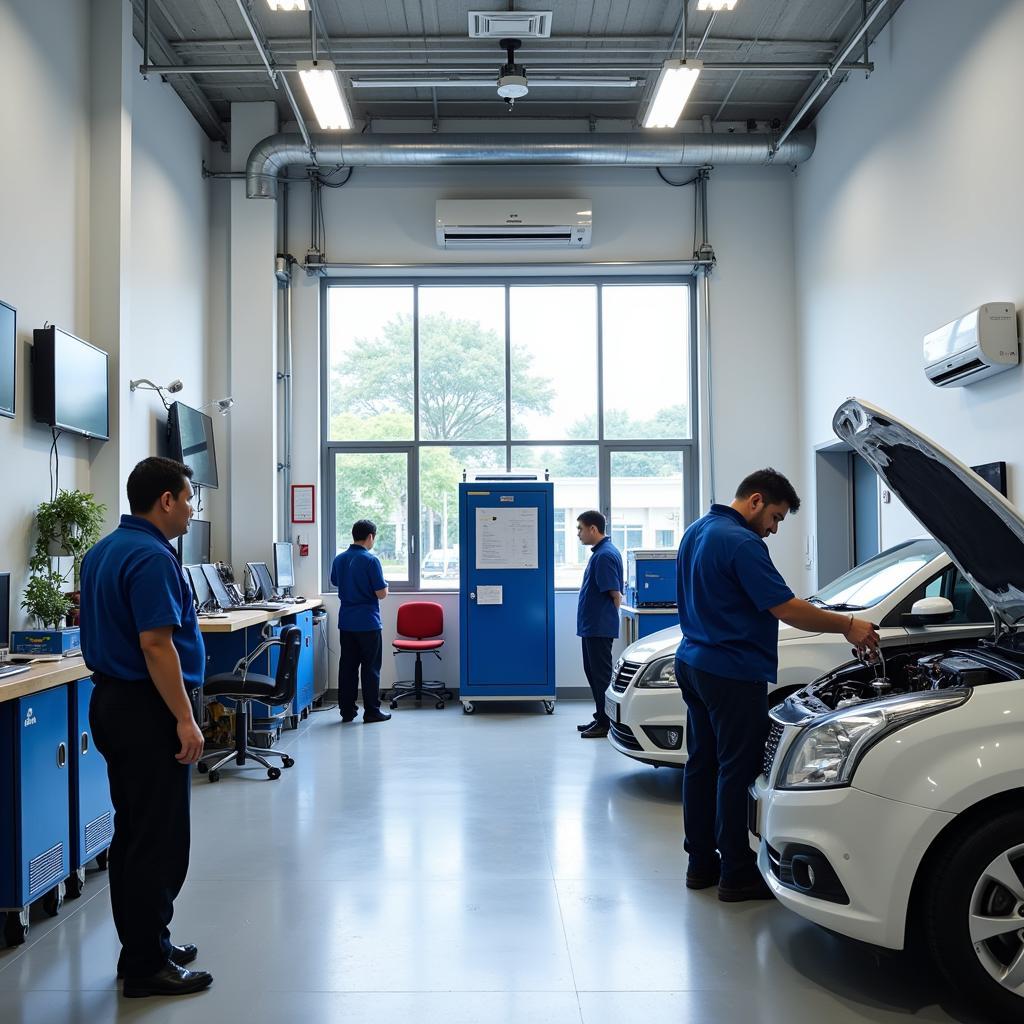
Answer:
x=891 y=804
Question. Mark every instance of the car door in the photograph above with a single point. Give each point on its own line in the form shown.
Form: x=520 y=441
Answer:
x=971 y=617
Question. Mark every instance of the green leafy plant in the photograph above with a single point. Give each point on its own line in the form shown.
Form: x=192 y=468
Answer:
x=45 y=601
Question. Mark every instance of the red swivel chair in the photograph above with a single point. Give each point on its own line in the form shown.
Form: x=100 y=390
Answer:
x=420 y=625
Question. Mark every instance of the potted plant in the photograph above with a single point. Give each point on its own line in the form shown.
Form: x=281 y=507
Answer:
x=45 y=601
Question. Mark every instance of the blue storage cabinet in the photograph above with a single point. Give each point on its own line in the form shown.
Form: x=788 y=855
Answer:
x=34 y=806
x=651 y=578
x=507 y=595
x=640 y=622
x=304 y=679
x=92 y=814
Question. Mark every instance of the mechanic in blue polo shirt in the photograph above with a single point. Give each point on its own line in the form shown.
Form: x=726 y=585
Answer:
x=358 y=575
x=141 y=641
x=597 y=615
x=731 y=599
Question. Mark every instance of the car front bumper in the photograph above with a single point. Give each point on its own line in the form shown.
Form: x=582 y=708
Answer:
x=659 y=709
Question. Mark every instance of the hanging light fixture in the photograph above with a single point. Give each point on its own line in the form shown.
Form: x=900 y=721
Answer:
x=675 y=83
x=288 y=5
x=320 y=80
x=716 y=5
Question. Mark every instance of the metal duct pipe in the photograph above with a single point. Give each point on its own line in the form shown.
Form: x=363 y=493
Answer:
x=271 y=156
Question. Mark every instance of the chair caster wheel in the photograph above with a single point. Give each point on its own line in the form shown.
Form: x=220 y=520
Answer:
x=202 y=767
x=439 y=705
x=214 y=776
x=394 y=705
x=288 y=762
x=273 y=773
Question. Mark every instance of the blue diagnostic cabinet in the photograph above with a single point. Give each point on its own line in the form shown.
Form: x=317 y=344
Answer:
x=507 y=595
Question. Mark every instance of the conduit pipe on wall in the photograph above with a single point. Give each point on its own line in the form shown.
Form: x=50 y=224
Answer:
x=273 y=155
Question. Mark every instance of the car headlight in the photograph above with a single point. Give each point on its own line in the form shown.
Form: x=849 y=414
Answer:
x=828 y=752
x=658 y=675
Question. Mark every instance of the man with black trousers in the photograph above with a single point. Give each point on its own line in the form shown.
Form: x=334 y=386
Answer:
x=731 y=599
x=361 y=587
x=597 y=615
x=141 y=641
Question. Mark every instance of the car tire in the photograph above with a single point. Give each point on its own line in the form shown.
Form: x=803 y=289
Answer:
x=964 y=904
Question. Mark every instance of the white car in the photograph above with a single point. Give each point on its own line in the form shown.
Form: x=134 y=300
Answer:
x=644 y=703
x=891 y=806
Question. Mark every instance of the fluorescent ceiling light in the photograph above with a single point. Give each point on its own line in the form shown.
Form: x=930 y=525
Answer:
x=716 y=5
x=288 y=5
x=320 y=80
x=675 y=83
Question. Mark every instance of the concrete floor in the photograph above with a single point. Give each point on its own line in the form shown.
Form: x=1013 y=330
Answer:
x=441 y=868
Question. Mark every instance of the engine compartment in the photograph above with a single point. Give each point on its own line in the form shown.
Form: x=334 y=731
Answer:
x=914 y=670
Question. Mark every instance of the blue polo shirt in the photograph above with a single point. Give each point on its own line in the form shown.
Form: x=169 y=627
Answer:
x=131 y=582
x=596 y=614
x=358 y=575
x=725 y=584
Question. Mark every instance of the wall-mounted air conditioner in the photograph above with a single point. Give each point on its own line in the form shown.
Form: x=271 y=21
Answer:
x=976 y=346
x=513 y=223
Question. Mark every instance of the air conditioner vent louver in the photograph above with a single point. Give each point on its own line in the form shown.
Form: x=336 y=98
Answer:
x=502 y=24
x=513 y=223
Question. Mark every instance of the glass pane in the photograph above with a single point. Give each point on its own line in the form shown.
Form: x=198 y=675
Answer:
x=440 y=476
x=880 y=576
x=646 y=340
x=375 y=485
x=369 y=353
x=554 y=362
x=573 y=470
x=647 y=500
x=462 y=363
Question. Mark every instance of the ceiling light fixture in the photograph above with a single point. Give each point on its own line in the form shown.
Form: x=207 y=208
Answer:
x=512 y=84
x=223 y=405
x=675 y=83
x=288 y=5
x=716 y=5
x=145 y=384
x=320 y=80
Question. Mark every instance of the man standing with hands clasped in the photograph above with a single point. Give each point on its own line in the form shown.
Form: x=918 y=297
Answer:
x=731 y=599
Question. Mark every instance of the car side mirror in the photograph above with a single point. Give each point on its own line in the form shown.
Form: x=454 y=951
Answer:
x=929 y=611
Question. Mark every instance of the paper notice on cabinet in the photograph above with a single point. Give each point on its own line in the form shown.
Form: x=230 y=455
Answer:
x=488 y=595
x=506 y=538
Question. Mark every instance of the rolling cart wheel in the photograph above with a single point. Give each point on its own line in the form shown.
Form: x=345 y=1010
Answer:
x=291 y=722
x=439 y=705
x=467 y=707
x=273 y=773
x=16 y=927
x=288 y=761
x=214 y=776
x=53 y=899
x=549 y=706
x=75 y=884
x=101 y=860
x=202 y=767
x=394 y=705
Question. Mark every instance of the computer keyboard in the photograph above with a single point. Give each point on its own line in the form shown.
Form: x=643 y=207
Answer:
x=12 y=670
x=259 y=606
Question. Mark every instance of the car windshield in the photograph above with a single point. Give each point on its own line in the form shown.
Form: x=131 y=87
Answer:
x=865 y=585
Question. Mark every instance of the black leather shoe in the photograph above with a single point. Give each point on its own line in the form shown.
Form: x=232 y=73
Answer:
x=594 y=732
x=349 y=718
x=375 y=715
x=586 y=725
x=755 y=889
x=170 y=980
x=180 y=955
x=701 y=881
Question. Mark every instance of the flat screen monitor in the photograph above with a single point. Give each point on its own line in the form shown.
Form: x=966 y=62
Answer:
x=5 y=609
x=190 y=440
x=200 y=588
x=69 y=384
x=262 y=579
x=994 y=474
x=194 y=546
x=8 y=358
x=283 y=568
x=220 y=594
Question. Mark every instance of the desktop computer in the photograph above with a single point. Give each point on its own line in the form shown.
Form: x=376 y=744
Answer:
x=284 y=569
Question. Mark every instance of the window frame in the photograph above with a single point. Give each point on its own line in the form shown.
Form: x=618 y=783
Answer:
x=507 y=278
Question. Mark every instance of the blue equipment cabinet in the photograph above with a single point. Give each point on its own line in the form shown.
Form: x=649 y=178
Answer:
x=304 y=677
x=651 y=578
x=34 y=806
x=507 y=595
x=92 y=814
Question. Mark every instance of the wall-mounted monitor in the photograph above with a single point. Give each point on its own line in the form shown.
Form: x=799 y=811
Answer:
x=994 y=474
x=8 y=359
x=69 y=384
x=194 y=546
x=190 y=440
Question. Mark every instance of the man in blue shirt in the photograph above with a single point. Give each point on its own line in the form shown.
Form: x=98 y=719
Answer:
x=361 y=586
x=597 y=615
x=141 y=640
x=731 y=599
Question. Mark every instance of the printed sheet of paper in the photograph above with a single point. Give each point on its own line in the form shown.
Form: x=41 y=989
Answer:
x=506 y=538
x=488 y=595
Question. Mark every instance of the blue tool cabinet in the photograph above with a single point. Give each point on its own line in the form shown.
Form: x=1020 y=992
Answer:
x=507 y=595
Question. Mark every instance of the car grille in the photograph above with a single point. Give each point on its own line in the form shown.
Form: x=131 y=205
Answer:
x=771 y=748
x=627 y=673
x=624 y=735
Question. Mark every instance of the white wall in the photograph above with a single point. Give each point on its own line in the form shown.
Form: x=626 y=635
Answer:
x=908 y=215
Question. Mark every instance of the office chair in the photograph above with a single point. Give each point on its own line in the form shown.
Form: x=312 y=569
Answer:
x=420 y=625
x=244 y=687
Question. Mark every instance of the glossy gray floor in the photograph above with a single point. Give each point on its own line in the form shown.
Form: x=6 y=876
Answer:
x=442 y=868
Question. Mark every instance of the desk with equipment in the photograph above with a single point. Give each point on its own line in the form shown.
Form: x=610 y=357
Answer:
x=650 y=602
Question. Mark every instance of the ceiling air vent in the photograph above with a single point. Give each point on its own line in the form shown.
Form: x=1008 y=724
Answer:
x=502 y=24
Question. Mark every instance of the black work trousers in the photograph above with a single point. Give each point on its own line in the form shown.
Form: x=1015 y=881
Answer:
x=359 y=662
x=726 y=729
x=150 y=790
x=597 y=666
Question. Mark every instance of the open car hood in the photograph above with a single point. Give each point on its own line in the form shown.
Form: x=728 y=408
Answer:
x=980 y=530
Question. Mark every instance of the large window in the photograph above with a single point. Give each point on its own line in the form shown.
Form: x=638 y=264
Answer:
x=588 y=381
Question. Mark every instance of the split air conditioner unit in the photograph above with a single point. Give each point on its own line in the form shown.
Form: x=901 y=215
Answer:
x=513 y=223
x=976 y=346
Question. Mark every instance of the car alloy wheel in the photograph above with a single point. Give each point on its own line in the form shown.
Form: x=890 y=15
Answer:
x=996 y=919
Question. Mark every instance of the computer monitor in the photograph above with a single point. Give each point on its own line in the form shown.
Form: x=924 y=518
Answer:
x=220 y=593
x=5 y=609
x=262 y=580
x=283 y=568
x=194 y=546
x=200 y=588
